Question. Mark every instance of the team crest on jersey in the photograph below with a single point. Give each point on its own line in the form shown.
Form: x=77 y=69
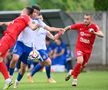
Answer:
x=33 y=22
x=91 y=29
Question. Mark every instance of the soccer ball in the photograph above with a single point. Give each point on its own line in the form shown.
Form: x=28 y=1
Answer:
x=34 y=55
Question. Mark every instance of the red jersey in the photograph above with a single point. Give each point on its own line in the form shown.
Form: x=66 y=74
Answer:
x=18 y=25
x=85 y=38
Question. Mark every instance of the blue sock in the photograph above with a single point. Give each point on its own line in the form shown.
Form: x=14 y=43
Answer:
x=7 y=66
x=36 y=69
x=48 y=71
x=19 y=76
x=11 y=71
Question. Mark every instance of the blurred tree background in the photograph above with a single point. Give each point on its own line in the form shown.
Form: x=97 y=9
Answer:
x=66 y=5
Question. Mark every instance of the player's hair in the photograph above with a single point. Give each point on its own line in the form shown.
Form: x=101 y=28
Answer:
x=47 y=39
x=29 y=10
x=60 y=39
x=88 y=14
x=36 y=7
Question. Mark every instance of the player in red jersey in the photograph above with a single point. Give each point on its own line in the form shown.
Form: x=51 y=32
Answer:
x=10 y=36
x=87 y=31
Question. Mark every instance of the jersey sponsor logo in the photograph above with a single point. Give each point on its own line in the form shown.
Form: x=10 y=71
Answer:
x=84 y=34
x=84 y=40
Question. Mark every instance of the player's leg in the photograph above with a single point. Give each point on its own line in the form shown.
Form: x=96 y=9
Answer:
x=37 y=68
x=17 y=52
x=13 y=64
x=4 y=46
x=75 y=72
x=8 y=59
x=48 y=73
x=47 y=63
x=20 y=74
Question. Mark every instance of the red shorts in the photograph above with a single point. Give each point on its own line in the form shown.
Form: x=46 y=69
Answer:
x=6 y=43
x=85 y=56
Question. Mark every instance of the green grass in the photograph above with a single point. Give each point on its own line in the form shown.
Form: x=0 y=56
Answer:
x=93 y=80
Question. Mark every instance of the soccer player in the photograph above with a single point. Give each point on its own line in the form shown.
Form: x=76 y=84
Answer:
x=9 y=39
x=87 y=31
x=24 y=46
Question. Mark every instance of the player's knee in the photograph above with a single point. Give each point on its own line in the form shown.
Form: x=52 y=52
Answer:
x=48 y=63
x=15 y=58
x=22 y=70
x=80 y=60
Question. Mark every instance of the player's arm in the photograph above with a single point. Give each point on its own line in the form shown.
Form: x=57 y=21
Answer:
x=55 y=54
x=98 y=33
x=53 y=37
x=67 y=28
x=73 y=27
x=5 y=23
x=61 y=53
x=54 y=29
x=33 y=26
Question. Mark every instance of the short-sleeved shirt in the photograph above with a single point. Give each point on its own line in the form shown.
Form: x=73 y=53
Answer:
x=85 y=38
x=17 y=25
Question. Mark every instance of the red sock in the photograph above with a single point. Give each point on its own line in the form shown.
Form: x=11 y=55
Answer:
x=76 y=70
x=3 y=70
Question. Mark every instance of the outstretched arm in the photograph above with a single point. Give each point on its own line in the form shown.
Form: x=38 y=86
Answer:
x=53 y=29
x=5 y=23
x=67 y=28
x=33 y=25
x=53 y=37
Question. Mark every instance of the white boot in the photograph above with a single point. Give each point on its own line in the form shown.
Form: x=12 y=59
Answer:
x=16 y=84
x=74 y=82
x=8 y=83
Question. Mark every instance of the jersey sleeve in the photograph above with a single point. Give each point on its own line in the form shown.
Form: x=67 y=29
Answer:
x=42 y=24
x=75 y=26
x=97 y=28
x=26 y=18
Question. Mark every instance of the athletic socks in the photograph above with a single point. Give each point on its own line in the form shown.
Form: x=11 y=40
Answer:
x=76 y=70
x=19 y=76
x=11 y=71
x=4 y=70
x=37 y=68
x=48 y=71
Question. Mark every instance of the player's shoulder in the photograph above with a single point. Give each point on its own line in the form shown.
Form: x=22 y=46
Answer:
x=94 y=25
x=79 y=24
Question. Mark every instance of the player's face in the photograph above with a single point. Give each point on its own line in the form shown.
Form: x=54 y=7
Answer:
x=36 y=13
x=87 y=19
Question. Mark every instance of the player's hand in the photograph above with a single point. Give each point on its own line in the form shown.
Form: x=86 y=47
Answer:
x=1 y=23
x=62 y=29
x=54 y=56
x=91 y=30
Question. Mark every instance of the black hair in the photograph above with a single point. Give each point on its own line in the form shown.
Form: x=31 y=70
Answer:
x=36 y=7
x=29 y=10
x=60 y=39
x=47 y=39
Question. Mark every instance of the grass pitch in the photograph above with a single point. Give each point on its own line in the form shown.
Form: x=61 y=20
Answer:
x=92 y=80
